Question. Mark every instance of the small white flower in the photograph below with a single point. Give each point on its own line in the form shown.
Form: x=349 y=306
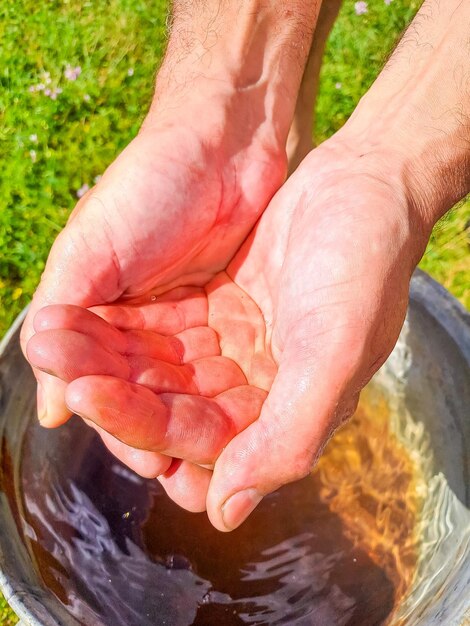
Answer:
x=338 y=85
x=86 y=97
x=361 y=8
x=72 y=73
x=130 y=71
x=33 y=155
x=83 y=189
x=33 y=138
x=52 y=93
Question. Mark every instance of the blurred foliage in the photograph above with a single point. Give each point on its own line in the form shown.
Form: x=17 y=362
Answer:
x=50 y=148
x=7 y=617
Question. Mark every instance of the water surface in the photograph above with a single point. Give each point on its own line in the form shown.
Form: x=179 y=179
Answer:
x=337 y=548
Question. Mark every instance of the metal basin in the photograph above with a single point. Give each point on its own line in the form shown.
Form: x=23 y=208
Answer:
x=426 y=382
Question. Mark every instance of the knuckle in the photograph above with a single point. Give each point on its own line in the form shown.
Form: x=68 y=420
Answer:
x=302 y=465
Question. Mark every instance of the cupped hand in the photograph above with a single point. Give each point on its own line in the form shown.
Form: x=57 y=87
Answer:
x=323 y=286
x=172 y=209
x=329 y=266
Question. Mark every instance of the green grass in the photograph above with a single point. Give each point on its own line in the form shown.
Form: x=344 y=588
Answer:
x=94 y=117
x=7 y=617
x=79 y=133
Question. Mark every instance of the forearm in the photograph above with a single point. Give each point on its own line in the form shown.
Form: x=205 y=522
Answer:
x=242 y=58
x=419 y=109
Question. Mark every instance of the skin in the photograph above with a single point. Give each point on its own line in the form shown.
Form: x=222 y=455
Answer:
x=307 y=310
x=301 y=355
x=182 y=197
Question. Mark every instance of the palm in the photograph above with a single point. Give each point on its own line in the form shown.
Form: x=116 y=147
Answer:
x=329 y=261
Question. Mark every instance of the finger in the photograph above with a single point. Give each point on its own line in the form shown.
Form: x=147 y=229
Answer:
x=68 y=354
x=303 y=408
x=187 y=485
x=143 y=462
x=242 y=404
x=206 y=377
x=190 y=344
x=54 y=352
x=166 y=315
x=197 y=343
x=50 y=395
x=80 y=357
x=184 y=426
x=81 y=320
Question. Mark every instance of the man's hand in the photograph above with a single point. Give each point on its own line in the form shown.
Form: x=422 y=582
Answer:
x=179 y=201
x=328 y=269
x=330 y=262
x=308 y=310
x=329 y=266
x=172 y=209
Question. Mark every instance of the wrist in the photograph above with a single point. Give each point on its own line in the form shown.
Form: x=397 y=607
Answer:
x=419 y=109
x=239 y=63
x=371 y=163
x=432 y=162
x=224 y=119
x=220 y=111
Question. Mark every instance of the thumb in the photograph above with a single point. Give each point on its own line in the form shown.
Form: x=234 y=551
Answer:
x=308 y=400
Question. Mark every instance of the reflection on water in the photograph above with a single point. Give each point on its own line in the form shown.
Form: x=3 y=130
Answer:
x=337 y=548
x=371 y=482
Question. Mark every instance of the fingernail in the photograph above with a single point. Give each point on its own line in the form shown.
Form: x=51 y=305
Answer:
x=236 y=509
x=41 y=402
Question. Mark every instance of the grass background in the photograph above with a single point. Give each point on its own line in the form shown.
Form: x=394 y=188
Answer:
x=50 y=148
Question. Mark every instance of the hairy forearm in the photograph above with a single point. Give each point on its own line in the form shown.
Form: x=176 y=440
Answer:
x=419 y=108
x=246 y=56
